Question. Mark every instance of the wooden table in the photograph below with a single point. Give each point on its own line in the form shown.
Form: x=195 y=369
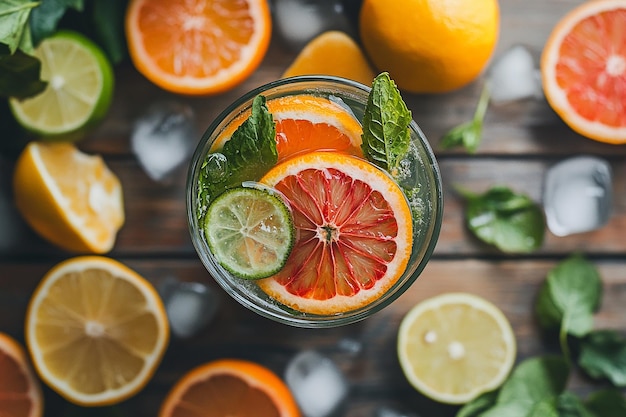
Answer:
x=521 y=141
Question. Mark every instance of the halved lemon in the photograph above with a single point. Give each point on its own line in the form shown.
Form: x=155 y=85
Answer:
x=96 y=330
x=455 y=346
x=70 y=198
x=306 y=123
x=354 y=233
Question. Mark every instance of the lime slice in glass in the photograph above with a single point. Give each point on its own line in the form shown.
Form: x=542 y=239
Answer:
x=79 y=91
x=250 y=232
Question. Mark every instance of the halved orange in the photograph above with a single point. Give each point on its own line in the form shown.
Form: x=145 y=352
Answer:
x=229 y=387
x=96 y=330
x=583 y=67
x=197 y=47
x=306 y=123
x=20 y=392
x=354 y=233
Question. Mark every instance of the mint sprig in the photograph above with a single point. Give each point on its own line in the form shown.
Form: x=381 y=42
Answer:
x=468 y=134
x=386 y=137
x=246 y=156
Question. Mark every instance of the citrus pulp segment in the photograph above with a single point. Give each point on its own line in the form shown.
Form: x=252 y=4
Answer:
x=332 y=53
x=79 y=91
x=96 y=330
x=306 y=123
x=70 y=198
x=583 y=68
x=455 y=346
x=197 y=47
x=354 y=233
x=249 y=231
x=20 y=392
x=230 y=387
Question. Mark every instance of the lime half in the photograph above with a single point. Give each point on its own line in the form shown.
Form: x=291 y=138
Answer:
x=79 y=90
x=250 y=232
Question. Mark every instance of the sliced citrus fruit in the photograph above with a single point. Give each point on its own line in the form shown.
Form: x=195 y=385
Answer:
x=96 y=330
x=583 y=67
x=197 y=47
x=455 y=346
x=249 y=231
x=354 y=233
x=20 y=392
x=79 y=91
x=332 y=53
x=70 y=198
x=230 y=387
x=306 y=123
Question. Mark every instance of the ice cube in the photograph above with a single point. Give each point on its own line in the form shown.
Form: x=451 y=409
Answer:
x=164 y=137
x=514 y=76
x=299 y=21
x=578 y=195
x=190 y=306
x=317 y=384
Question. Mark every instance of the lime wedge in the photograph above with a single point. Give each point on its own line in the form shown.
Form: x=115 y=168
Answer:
x=250 y=232
x=79 y=91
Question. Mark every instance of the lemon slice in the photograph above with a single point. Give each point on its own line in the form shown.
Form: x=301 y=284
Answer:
x=79 y=90
x=455 y=346
x=96 y=330
x=250 y=231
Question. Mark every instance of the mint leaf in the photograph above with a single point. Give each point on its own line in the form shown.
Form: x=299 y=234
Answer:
x=477 y=406
x=603 y=355
x=386 y=136
x=108 y=19
x=535 y=379
x=45 y=18
x=572 y=293
x=512 y=222
x=13 y=22
x=570 y=405
x=607 y=403
x=468 y=134
x=247 y=155
x=19 y=75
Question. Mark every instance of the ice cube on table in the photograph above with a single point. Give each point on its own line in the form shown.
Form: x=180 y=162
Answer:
x=190 y=306
x=163 y=138
x=299 y=21
x=318 y=385
x=577 y=195
x=514 y=76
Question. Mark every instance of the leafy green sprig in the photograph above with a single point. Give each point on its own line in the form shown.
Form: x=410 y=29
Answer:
x=567 y=301
x=469 y=134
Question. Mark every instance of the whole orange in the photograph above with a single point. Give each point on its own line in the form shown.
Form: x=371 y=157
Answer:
x=430 y=46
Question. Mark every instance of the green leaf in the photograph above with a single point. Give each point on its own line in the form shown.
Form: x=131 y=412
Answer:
x=603 y=355
x=45 y=18
x=108 y=18
x=247 y=155
x=386 y=136
x=477 y=406
x=570 y=405
x=572 y=293
x=535 y=379
x=469 y=134
x=19 y=75
x=13 y=22
x=512 y=222
x=607 y=403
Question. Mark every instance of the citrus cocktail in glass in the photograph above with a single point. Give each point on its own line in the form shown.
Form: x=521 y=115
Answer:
x=315 y=201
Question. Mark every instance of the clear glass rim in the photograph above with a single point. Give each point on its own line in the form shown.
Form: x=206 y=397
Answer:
x=304 y=320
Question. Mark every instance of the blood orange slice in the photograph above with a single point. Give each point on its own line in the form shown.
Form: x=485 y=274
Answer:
x=354 y=233
x=583 y=67
x=306 y=123
x=20 y=392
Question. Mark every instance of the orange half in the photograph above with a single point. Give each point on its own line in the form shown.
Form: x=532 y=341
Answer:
x=354 y=233
x=197 y=47
x=229 y=387
x=583 y=67
x=306 y=123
